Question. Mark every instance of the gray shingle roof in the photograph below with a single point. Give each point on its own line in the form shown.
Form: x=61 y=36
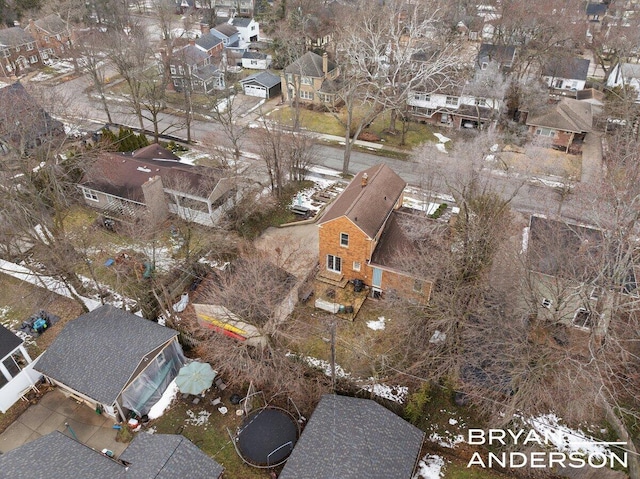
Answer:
x=368 y=207
x=242 y=22
x=52 y=24
x=571 y=69
x=189 y=54
x=502 y=54
x=168 y=456
x=309 y=64
x=158 y=456
x=206 y=72
x=226 y=29
x=567 y=115
x=255 y=55
x=8 y=342
x=265 y=79
x=14 y=36
x=97 y=353
x=54 y=456
x=208 y=41
x=351 y=438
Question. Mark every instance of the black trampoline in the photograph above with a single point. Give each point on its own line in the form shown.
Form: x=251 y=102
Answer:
x=267 y=437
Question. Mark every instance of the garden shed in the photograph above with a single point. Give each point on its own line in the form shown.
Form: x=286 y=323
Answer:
x=114 y=361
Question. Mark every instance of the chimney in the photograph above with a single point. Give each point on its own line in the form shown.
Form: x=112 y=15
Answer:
x=204 y=29
x=365 y=177
x=325 y=63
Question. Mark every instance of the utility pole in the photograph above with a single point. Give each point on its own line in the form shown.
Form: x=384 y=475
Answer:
x=333 y=355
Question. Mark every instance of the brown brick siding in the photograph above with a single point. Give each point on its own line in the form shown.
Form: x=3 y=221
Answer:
x=359 y=248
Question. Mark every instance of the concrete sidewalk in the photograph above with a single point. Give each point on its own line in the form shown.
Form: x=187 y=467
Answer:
x=52 y=413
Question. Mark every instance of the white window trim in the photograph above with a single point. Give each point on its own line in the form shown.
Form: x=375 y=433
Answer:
x=90 y=195
x=344 y=244
x=356 y=266
x=333 y=263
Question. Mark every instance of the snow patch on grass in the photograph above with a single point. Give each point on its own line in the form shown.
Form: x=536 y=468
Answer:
x=197 y=419
x=378 y=324
x=430 y=466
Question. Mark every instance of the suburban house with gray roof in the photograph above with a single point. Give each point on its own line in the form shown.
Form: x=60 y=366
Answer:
x=625 y=74
x=248 y=29
x=563 y=124
x=150 y=183
x=566 y=75
x=361 y=237
x=18 y=52
x=256 y=61
x=228 y=34
x=113 y=361
x=311 y=79
x=354 y=438
x=193 y=67
x=16 y=369
x=161 y=456
x=262 y=85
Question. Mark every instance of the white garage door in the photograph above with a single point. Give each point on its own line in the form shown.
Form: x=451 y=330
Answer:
x=253 y=90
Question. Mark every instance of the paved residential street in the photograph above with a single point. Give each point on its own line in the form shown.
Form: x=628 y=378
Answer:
x=529 y=196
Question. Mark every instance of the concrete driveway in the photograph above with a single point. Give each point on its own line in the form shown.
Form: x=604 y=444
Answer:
x=294 y=248
x=52 y=413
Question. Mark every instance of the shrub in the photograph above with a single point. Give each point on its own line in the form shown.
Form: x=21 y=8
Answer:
x=416 y=403
x=439 y=212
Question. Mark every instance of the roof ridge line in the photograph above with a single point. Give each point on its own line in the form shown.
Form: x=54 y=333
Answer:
x=357 y=198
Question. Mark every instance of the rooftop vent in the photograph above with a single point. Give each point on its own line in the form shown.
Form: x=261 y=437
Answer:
x=365 y=178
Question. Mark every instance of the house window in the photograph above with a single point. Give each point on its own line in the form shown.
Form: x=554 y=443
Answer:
x=90 y=195
x=306 y=95
x=582 y=318
x=33 y=59
x=254 y=62
x=484 y=65
x=417 y=285
x=173 y=69
x=356 y=266
x=30 y=47
x=306 y=81
x=546 y=132
x=180 y=70
x=422 y=97
x=58 y=37
x=46 y=39
x=253 y=27
x=344 y=239
x=452 y=101
x=17 y=49
x=558 y=83
x=546 y=303
x=334 y=263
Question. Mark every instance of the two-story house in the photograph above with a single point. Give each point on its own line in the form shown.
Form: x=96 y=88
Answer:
x=248 y=29
x=18 y=51
x=192 y=67
x=229 y=8
x=52 y=35
x=361 y=236
x=566 y=76
x=503 y=55
x=453 y=106
x=312 y=79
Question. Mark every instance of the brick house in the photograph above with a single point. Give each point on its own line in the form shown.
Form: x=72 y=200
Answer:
x=312 y=78
x=360 y=236
x=52 y=34
x=18 y=52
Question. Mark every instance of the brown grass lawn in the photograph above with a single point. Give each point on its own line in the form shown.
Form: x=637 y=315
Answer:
x=18 y=301
x=323 y=122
